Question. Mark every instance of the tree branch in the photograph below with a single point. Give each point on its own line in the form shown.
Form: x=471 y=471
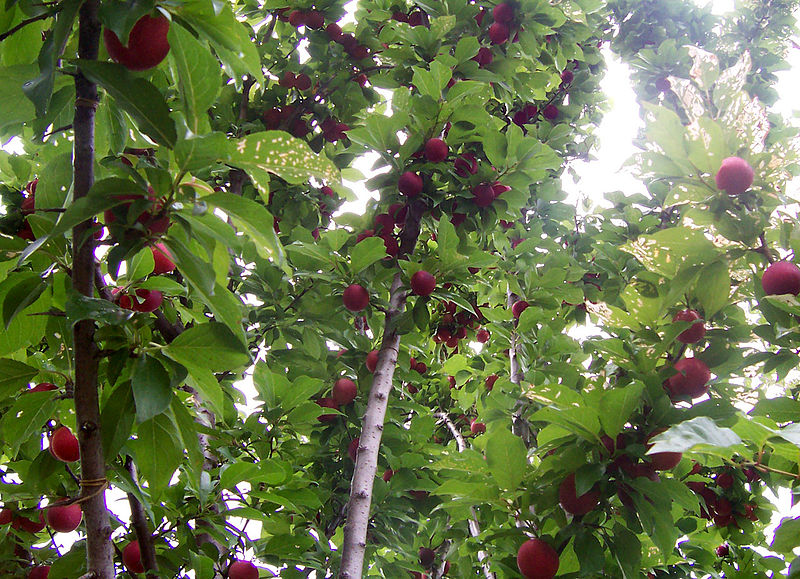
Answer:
x=24 y=23
x=147 y=546
x=474 y=527
x=99 y=549
x=519 y=425
x=355 y=530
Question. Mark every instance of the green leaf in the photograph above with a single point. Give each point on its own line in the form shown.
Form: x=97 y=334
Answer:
x=778 y=409
x=16 y=108
x=213 y=343
x=700 y=434
x=116 y=419
x=197 y=272
x=627 y=551
x=447 y=239
x=141 y=264
x=151 y=386
x=253 y=220
x=715 y=287
x=137 y=97
x=786 y=534
x=668 y=250
x=217 y=22
x=283 y=155
x=24 y=420
x=198 y=76
x=366 y=252
x=196 y=152
x=40 y=89
x=14 y=376
x=80 y=307
x=507 y=458
x=158 y=453
x=26 y=290
x=617 y=405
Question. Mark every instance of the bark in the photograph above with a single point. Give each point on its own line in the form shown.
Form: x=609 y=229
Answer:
x=100 y=552
x=474 y=527
x=141 y=528
x=355 y=530
x=519 y=425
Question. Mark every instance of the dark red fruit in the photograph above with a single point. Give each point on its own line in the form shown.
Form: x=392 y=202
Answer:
x=482 y=335
x=426 y=556
x=781 y=277
x=372 y=360
x=132 y=557
x=387 y=475
x=423 y=283
x=498 y=33
x=436 y=150
x=723 y=550
x=43 y=387
x=735 y=176
x=483 y=194
x=550 y=112
x=64 y=519
x=64 y=446
x=147 y=301
x=503 y=12
x=490 y=380
x=693 y=333
x=147 y=43
x=162 y=259
x=352 y=448
x=39 y=572
x=690 y=380
x=662 y=460
x=242 y=570
x=519 y=307
x=410 y=184
x=355 y=297
x=476 y=427
x=327 y=403
x=571 y=502
x=537 y=560
x=344 y=391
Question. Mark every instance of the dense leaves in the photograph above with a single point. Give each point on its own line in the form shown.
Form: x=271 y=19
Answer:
x=541 y=347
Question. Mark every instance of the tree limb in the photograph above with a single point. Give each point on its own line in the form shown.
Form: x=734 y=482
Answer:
x=99 y=549
x=147 y=546
x=474 y=527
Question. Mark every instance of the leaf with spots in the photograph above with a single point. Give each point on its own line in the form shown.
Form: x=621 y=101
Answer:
x=283 y=155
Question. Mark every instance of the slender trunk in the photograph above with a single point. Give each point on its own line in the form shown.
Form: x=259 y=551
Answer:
x=472 y=523
x=355 y=530
x=519 y=425
x=99 y=550
x=147 y=546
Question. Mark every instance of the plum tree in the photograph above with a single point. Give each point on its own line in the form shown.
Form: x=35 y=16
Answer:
x=208 y=388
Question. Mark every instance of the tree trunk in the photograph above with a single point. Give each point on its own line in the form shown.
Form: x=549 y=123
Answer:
x=355 y=529
x=100 y=552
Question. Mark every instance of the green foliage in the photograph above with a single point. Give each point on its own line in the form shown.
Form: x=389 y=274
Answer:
x=214 y=396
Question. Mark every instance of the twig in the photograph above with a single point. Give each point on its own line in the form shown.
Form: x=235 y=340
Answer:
x=24 y=23
x=147 y=547
x=474 y=527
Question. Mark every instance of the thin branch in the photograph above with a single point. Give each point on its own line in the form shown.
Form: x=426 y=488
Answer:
x=474 y=527
x=24 y=23
x=99 y=547
x=147 y=546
